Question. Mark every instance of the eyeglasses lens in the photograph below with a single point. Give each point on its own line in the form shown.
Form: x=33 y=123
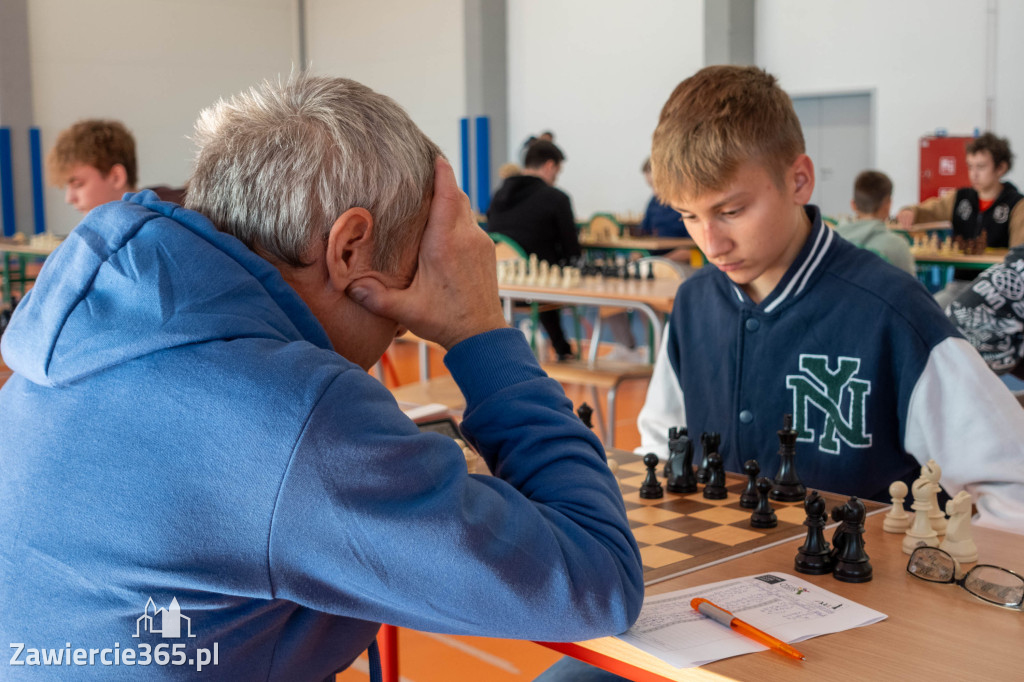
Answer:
x=995 y=585
x=931 y=564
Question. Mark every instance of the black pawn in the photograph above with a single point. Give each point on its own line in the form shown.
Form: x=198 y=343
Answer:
x=585 y=412
x=651 y=488
x=852 y=563
x=814 y=557
x=709 y=443
x=788 y=487
x=715 y=488
x=764 y=515
x=680 y=465
x=748 y=499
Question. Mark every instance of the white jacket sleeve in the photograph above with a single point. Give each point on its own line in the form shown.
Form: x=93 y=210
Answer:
x=962 y=416
x=663 y=406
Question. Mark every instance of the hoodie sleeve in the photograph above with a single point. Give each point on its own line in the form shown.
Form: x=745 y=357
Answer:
x=568 y=239
x=378 y=521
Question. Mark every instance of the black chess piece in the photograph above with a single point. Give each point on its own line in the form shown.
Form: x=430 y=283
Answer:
x=748 y=499
x=709 y=441
x=680 y=464
x=651 y=488
x=715 y=488
x=650 y=271
x=852 y=564
x=585 y=412
x=814 y=556
x=764 y=515
x=787 y=486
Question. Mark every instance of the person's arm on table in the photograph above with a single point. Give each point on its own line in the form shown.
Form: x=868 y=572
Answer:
x=541 y=550
x=928 y=211
x=1017 y=225
x=965 y=419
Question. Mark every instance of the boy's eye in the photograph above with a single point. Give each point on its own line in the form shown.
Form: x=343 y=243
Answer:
x=732 y=213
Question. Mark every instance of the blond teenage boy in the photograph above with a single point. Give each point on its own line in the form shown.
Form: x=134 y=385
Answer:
x=793 y=319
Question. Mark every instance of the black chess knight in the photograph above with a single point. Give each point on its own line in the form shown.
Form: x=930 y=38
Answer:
x=679 y=469
x=852 y=563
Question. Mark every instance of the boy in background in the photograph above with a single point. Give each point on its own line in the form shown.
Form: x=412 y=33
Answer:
x=94 y=161
x=872 y=200
x=989 y=204
x=794 y=320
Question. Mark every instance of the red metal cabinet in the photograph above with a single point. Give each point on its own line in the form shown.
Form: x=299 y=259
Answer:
x=943 y=165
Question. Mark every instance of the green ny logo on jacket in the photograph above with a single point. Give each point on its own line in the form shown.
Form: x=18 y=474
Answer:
x=824 y=389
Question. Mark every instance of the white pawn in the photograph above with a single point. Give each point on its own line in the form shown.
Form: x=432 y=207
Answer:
x=531 y=272
x=555 y=276
x=543 y=272
x=933 y=472
x=959 y=542
x=921 y=532
x=897 y=520
x=577 y=277
x=566 y=277
x=519 y=268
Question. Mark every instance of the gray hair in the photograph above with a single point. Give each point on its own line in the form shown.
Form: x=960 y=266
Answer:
x=278 y=164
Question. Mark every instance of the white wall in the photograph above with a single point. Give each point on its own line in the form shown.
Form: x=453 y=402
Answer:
x=409 y=50
x=1009 y=109
x=154 y=64
x=924 y=60
x=596 y=72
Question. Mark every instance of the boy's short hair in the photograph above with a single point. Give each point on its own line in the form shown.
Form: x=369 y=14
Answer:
x=714 y=121
x=540 y=152
x=998 y=147
x=870 y=190
x=94 y=142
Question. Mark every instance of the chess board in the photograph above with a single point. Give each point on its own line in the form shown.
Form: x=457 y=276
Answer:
x=680 y=533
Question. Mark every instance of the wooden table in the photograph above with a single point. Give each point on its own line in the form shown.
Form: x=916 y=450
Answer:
x=933 y=631
x=22 y=253
x=652 y=297
x=981 y=261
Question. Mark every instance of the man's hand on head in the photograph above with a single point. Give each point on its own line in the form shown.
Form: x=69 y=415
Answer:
x=454 y=294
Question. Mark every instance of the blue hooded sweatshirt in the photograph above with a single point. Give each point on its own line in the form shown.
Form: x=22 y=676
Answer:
x=189 y=472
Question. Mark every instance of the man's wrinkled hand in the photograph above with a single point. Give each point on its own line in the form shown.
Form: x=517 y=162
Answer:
x=454 y=294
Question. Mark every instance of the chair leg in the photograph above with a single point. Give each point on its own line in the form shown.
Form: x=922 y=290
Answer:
x=596 y=398
x=387 y=641
x=610 y=442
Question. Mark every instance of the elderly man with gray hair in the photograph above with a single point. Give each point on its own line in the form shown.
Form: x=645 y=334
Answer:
x=199 y=472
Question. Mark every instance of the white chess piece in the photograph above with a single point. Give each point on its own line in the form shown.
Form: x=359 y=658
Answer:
x=959 y=542
x=921 y=532
x=532 y=269
x=543 y=272
x=897 y=520
x=555 y=278
x=520 y=272
x=933 y=472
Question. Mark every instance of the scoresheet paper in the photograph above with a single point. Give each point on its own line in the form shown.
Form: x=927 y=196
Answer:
x=782 y=605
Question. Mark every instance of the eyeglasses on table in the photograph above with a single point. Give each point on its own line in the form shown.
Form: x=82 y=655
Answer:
x=996 y=585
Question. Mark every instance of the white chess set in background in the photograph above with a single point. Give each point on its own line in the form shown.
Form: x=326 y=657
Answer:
x=535 y=272
x=949 y=246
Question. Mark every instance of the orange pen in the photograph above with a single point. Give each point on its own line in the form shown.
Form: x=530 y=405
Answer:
x=724 y=617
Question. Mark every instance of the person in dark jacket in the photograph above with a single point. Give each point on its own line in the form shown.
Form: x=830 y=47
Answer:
x=538 y=216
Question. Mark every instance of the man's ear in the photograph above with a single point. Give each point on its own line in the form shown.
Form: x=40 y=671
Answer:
x=118 y=177
x=349 y=247
x=802 y=172
x=1002 y=169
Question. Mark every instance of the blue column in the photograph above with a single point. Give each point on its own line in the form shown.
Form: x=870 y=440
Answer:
x=7 y=183
x=464 y=151
x=483 y=163
x=38 y=205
